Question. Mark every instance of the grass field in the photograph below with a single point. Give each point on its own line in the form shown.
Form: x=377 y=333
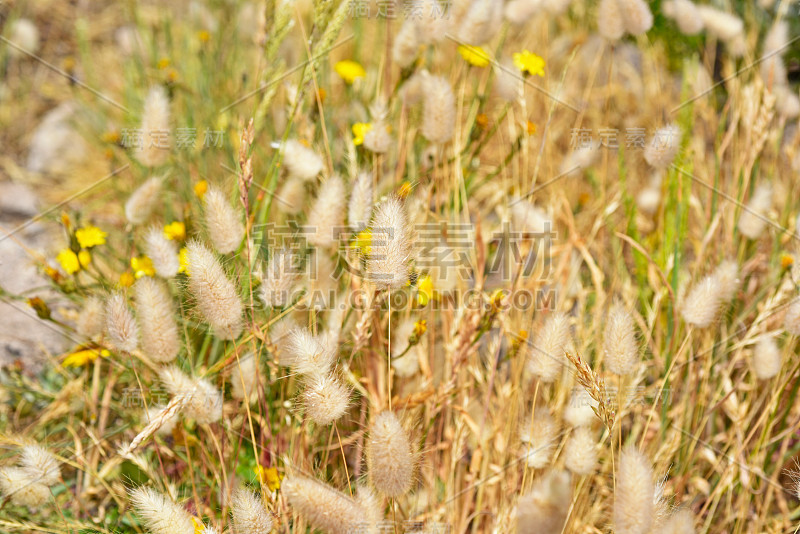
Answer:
x=464 y=266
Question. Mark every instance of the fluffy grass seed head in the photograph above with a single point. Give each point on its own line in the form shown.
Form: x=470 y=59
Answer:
x=249 y=514
x=539 y=438
x=203 y=399
x=91 y=319
x=323 y=507
x=16 y=484
x=546 y=356
x=406 y=44
x=326 y=216
x=766 y=360
x=215 y=295
x=389 y=456
x=359 y=209
x=720 y=24
x=580 y=452
x=223 y=223
x=685 y=15
x=278 y=278
x=727 y=275
x=405 y=365
x=300 y=161
x=387 y=266
x=121 y=324
x=663 y=147
x=634 y=501
x=308 y=354
x=325 y=398
x=637 y=16
x=159 y=514
x=160 y=337
x=291 y=197
x=701 y=305
x=610 y=23
x=579 y=409
x=619 y=341
x=142 y=201
x=439 y=110
x=507 y=82
x=679 y=522
x=791 y=321
x=162 y=252
x=40 y=465
x=481 y=22
x=155 y=412
x=518 y=12
x=155 y=125
x=378 y=139
x=543 y=510
x=244 y=378
x=753 y=220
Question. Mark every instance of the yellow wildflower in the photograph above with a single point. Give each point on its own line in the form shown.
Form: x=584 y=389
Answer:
x=786 y=261
x=112 y=136
x=482 y=120
x=81 y=357
x=349 y=70
x=405 y=190
x=203 y=36
x=529 y=63
x=40 y=307
x=85 y=258
x=163 y=63
x=360 y=129
x=200 y=189
x=474 y=55
x=269 y=476
x=175 y=230
x=69 y=261
x=126 y=279
x=142 y=266
x=424 y=289
x=90 y=236
x=183 y=261
x=530 y=127
x=363 y=241
x=199 y=527
x=420 y=327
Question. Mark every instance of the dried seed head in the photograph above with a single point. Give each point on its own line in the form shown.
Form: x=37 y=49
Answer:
x=685 y=15
x=791 y=321
x=16 y=484
x=727 y=275
x=702 y=303
x=546 y=356
x=301 y=162
x=308 y=354
x=579 y=410
x=389 y=456
x=155 y=412
x=543 y=510
x=439 y=110
x=326 y=216
x=387 y=266
x=753 y=219
x=637 y=16
x=619 y=343
x=249 y=514
x=214 y=294
x=91 y=319
x=634 y=500
x=518 y=12
x=648 y=200
x=406 y=44
x=278 y=279
x=23 y=33
x=155 y=125
x=680 y=522
x=610 y=23
x=580 y=452
x=163 y=252
x=481 y=22
x=223 y=223
x=663 y=147
x=203 y=399
x=539 y=438
x=531 y=219
x=160 y=337
x=141 y=203
x=120 y=324
x=291 y=197
x=40 y=465
x=767 y=358
x=244 y=378
x=721 y=25
x=323 y=507
x=378 y=139
x=325 y=398
x=159 y=514
x=360 y=208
